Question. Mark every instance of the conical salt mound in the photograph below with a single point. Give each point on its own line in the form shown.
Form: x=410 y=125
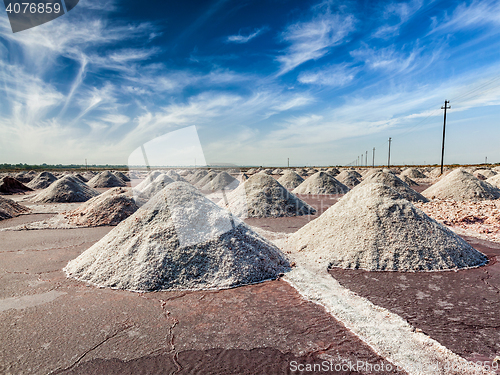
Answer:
x=321 y=183
x=290 y=179
x=10 y=209
x=413 y=173
x=395 y=183
x=65 y=190
x=149 y=178
x=154 y=187
x=106 y=179
x=436 y=172
x=349 y=181
x=109 y=208
x=175 y=176
x=196 y=176
x=222 y=181
x=408 y=181
x=460 y=185
x=42 y=181
x=80 y=177
x=179 y=240
x=333 y=171
x=122 y=176
x=206 y=179
x=346 y=173
x=262 y=196
x=495 y=180
x=24 y=177
x=10 y=185
x=374 y=228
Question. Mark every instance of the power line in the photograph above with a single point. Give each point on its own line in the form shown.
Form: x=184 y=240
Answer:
x=446 y=102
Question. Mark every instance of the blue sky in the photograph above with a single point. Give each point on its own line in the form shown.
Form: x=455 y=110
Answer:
x=317 y=82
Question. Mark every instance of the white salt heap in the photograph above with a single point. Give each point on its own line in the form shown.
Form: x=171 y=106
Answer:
x=205 y=180
x=413 y=173
x=144 y=183
x=321 y=183
x=395 y=183
x=222 y=181
x=180 y=240
x=348 y=180
x=495 y=180
x=122 y=176
x=175 y=176
x=374 y=228
x=193 y=178
x=154 y=187
x=105 y=179
x=42 y=181
x=484 y=174
x=290 y=179
x=461 y=185
x=109 y=208
x=262 y=196
x=408 y=181
x=10 y=209
x=65 y=190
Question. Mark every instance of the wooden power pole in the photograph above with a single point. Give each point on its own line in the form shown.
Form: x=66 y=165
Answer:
x=373 y=158
x=389 y=157
x=445 y=107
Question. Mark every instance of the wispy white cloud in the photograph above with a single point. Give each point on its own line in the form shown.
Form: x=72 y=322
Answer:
x=334 y=75
x=314 y=39
x=478 y=13
x=401 y=12
x=245 y=38
x=388 y=58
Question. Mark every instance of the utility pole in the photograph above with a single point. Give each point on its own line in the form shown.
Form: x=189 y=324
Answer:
x=288 y=163
x=86 y=166
x=361 y=160
x=389 y=158
x=373 y=158
x=366 y=158
x=485 y=160
x=446 y=102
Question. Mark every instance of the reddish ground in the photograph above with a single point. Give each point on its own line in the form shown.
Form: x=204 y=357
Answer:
x=51 y=324
x=458 y=309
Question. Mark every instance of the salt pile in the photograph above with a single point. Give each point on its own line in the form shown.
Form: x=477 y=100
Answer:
x=495 y=180
x=81 y=178
x=346 y=173
x=10 y=209
x=262 y=196
x=180 y=240
x=122 y=176
x=105 y=179
x=205 y=180
x=42 y=181
x=149 y=178
x=65 y=190
x=25 y=177
x=484 y=174
x=196 y=176
x=436 y=172
x=10 y=185
x=408 y=181
x=375 y=229
x=222 y=181
x=413 y=173
x=333 y=171
x=461 y=185
x=278 y=171
x=290 y=179
x=109 y=208
x=395 y=183
x=175 y=176
x=154 y=187
x=321 y=183
x=253 y=170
